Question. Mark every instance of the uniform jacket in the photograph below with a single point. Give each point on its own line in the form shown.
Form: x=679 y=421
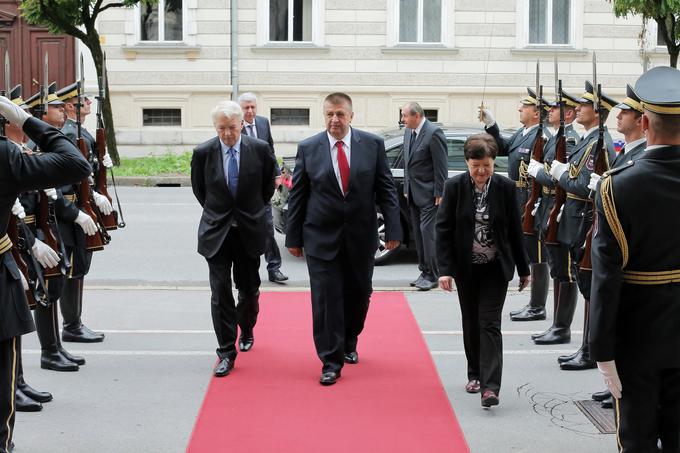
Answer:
x=220 y=208
x=60 y=164
x=321 y=219
x=426 y=165
x=456 y=226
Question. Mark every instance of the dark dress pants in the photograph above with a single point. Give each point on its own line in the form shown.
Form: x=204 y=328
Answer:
x=8 y=374
x=272 y=255
x=423 y=221
x=561 y=264
x=535 y=249
x=225 y=314
x=649 y=409
x=481 y=293
x=341 y=290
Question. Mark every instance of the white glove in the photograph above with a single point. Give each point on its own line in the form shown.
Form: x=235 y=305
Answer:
x=24 y=283
x=536 y=205
x=106 y=161
x=102 y=203
x=611 y=377
x=44 y=254
x=52 y=193
x=534 y=167
x=486 y=117
x=559 y=216
x=12 y=112
x=594 y=179
x=18 y=209
x=86 y=223
x=557 y=169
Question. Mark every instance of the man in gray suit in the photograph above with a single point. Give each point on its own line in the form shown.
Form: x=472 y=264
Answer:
x=425 y=170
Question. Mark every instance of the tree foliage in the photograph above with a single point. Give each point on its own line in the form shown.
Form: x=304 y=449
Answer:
x=666 y=13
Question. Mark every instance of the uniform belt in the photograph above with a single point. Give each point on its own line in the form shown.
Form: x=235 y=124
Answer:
x=5 y=244
x=29 y=219
x=575 y=197
x=548 y=191
x=521 y=184
x=70 y=197
x=651 y=278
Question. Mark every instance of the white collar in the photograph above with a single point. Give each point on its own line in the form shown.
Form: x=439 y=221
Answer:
x=635 y=143
x=346 y=140
x=528 y=129
x=420 y=126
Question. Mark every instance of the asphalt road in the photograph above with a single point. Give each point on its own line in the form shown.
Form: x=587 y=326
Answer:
x=142 y=388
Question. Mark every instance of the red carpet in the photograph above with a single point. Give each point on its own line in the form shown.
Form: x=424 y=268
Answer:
x=391 y=401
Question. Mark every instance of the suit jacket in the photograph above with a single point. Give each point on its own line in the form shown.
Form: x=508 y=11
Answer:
x=220 y=208
x=456 y=226
x=426 y=165
x=321 y=219
x=61 y=164
x=633 y=318
x=264 y=133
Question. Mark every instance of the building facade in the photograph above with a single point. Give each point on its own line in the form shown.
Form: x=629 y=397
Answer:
x=170 y=63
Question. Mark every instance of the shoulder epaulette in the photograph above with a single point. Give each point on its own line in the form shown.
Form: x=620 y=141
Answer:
x=612 y=171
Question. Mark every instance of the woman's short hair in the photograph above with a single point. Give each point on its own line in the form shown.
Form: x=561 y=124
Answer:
x=227 y=109
x=480 y=146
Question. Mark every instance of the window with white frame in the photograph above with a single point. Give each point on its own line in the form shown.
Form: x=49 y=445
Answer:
x=162 y=21
x=290 y=20
x=550 y=22
x=420 y=21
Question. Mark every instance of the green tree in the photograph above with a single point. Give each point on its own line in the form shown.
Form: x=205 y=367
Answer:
x=666 y=13
x=77 y=18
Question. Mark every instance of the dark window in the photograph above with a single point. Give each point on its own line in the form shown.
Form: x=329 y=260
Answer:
x=162 y=117
x=456 y=156
x=431 y=114
x=286 y=27
x=420 y=21
x=166 y=26
x=660 y=40
x=549 y=21
x=289 y=117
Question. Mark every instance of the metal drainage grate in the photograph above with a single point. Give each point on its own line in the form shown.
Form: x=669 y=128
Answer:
x=603 y=419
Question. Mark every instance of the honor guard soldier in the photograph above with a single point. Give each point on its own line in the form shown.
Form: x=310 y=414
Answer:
x=576 y=219
x=518 y=149
x=565 y=291
x=20 y=172
x=635 y=312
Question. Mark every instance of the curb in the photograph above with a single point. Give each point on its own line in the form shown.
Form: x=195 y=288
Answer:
x=153 y=181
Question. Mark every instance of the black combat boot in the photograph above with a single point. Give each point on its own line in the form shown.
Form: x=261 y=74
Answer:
x=560 y=332
x=50 y=356
x=556 y=298
x=582 y=360
x=540 y=281
x=71 y=310
x=26 y=390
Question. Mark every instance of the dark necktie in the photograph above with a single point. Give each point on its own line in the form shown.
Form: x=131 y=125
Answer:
x=251 y=132
x=343 y=165
x=232 y=168
x=413 y=140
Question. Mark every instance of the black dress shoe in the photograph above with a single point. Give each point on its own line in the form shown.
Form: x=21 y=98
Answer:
x=415 y=282
x=81 y=335
x=73 y=358
x=568 y=357
x=26 y=404
x=41 y=397
x=528 y=313
x=245 y=342
x=352 y=357
x=223 y=367
x=427 y=283
x=55 y=361
x=601 y=396
x=329 y=377
x=607 y=403
x=555 y=336
x=489 y=398
x=581 y=362
x=277 y=276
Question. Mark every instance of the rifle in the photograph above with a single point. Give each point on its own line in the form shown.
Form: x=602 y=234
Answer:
x=13 y=234
x=560 y=193
x=537 y=155
x=46 y=220
x=5 y=92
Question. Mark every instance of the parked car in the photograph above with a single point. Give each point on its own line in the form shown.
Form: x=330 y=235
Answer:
x=394 y=148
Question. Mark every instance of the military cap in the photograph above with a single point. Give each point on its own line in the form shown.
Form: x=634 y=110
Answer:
x=15 y=95
x=659 y=90
x=568 y=100
x=68 y=92
x=632 y=101
x=52 y=98
x=588 y=97
x=530 y=98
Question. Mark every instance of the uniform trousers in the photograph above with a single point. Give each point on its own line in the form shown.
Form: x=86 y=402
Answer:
x=562 y=266
x=8 y=376
x=535 y=249
x=341 y=290
x=225 y=315
x=481 y=293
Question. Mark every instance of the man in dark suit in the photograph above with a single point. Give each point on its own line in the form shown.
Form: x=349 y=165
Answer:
x=425 y=170
x=258 y=127
x=232 y=177
x=62 y=163
x=340 y=175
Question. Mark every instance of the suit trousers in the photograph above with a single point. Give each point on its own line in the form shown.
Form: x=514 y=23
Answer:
x=8 y=374
x=341 y=290
x=481 y=293
x=272 y=255
x=225 y=315
x=423 y=221
x=649 y=409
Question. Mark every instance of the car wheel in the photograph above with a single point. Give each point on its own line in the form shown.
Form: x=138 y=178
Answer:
x=382 y=255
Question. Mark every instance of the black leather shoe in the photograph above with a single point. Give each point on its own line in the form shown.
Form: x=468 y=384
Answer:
x=26 y=404
x=528 y=313
x=223 y=367
x=245 y=342
x=41 y=397
x=352 y=357
x=568 y=357
x=555 y=336
x=415 y=282
x=601 y=396
x=607 y=403
x=581 y=362
x=81 y=335
x=277 y=276
x=329 y=377
x=55 y=361
x=73 y=358
x=427 y=283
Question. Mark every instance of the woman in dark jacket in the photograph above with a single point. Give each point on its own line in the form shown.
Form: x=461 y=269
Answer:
x=479 y=242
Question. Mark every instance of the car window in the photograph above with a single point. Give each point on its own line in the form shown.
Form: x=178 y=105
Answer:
x=393 y=154
x=456 y=157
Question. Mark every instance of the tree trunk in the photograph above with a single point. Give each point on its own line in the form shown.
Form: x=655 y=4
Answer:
x=674 y=57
